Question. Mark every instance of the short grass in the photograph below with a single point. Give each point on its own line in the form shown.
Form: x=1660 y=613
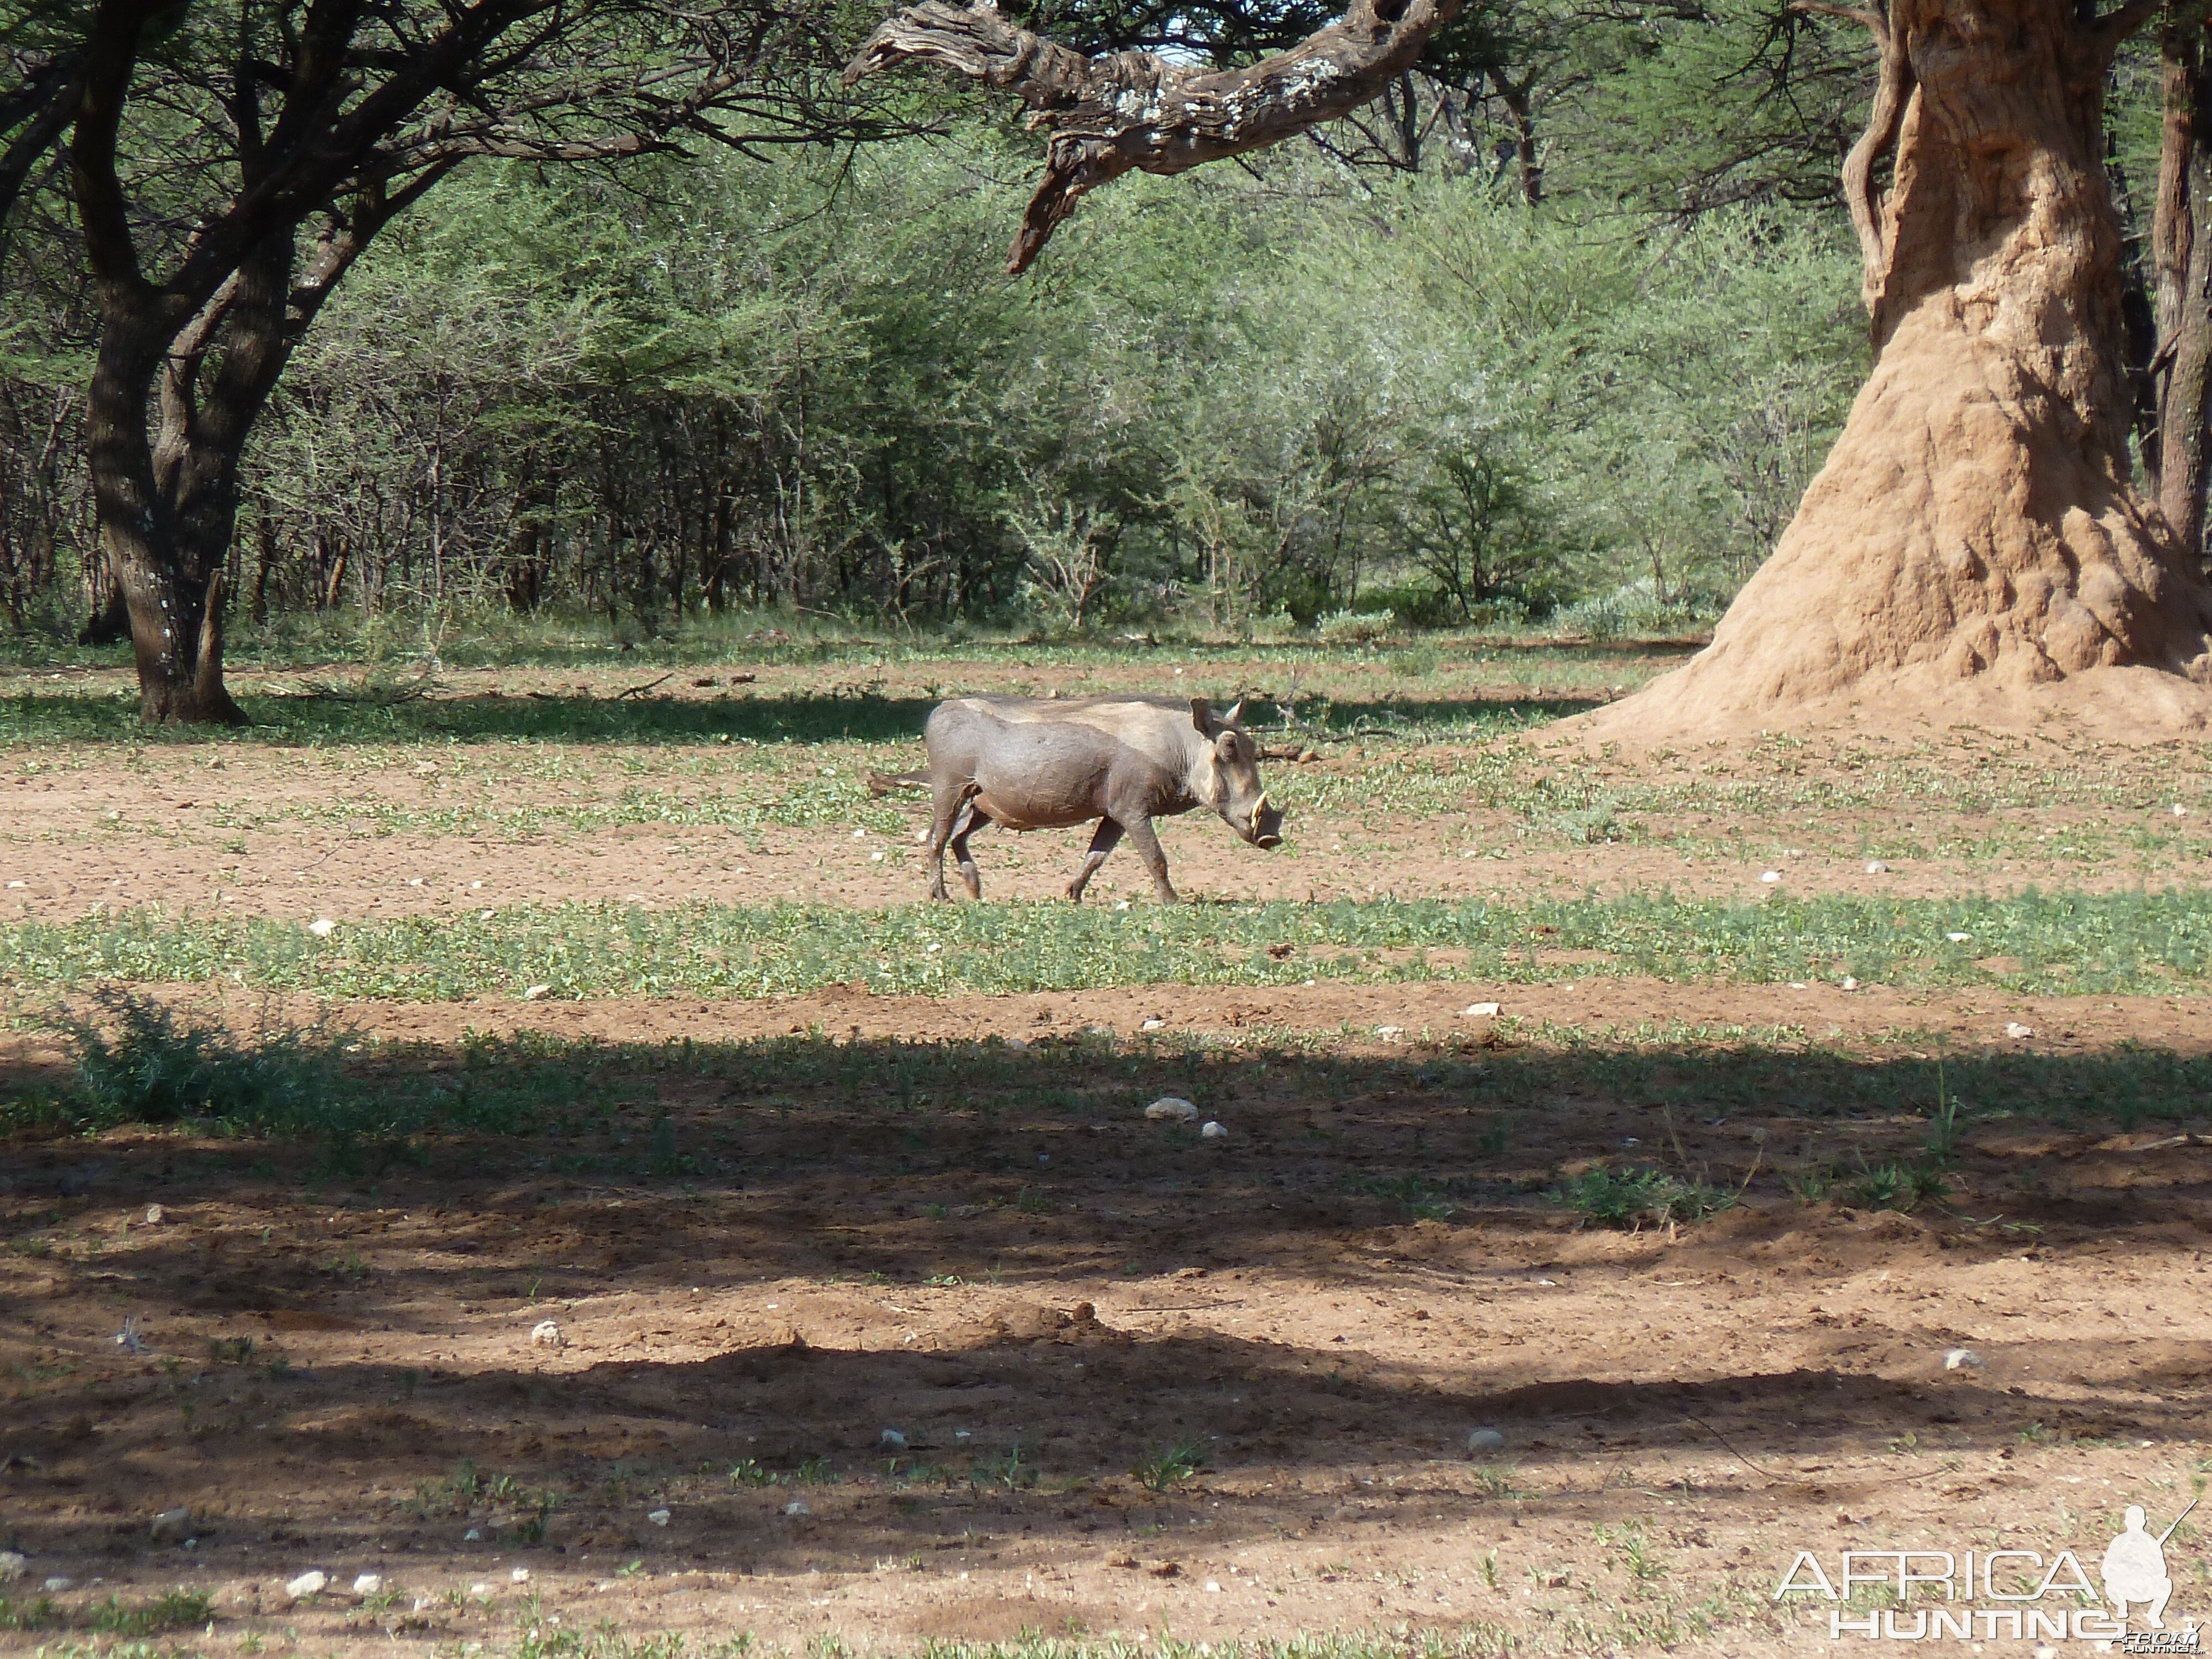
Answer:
x=609 y=1104
x=2072 y=943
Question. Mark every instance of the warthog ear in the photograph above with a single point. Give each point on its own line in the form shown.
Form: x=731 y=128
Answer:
x=1201 y=715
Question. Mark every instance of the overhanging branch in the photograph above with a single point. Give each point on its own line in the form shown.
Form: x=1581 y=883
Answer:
x=1135 y=110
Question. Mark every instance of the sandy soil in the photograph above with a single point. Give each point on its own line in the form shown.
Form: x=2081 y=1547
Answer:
x=1094 y=1292
x=1044 y=1299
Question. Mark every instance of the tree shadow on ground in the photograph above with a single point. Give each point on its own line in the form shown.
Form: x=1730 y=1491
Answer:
x=654 y=720
x=762 y=1255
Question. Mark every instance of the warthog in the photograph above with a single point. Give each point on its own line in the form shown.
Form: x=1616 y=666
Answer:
x=1027 y=764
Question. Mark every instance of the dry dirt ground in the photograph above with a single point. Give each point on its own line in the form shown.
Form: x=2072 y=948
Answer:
x=1135 y=1382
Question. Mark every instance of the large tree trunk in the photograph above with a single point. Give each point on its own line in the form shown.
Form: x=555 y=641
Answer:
x=1974 y=534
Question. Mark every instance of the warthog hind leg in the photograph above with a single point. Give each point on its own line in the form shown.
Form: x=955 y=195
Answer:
x=963 y=826
x=949 y=813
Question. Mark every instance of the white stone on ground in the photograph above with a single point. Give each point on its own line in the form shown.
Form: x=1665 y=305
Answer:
x=545 y=1334
x=1213 y=1131
x=308 y=1584
x=1171 y=1108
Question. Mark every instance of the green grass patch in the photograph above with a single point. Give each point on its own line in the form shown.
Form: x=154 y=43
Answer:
x=2032 y=942
x=1634 y=1198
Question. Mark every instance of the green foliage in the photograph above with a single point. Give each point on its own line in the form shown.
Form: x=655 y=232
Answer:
x=142 y=1062
x=1163 y=1469
x=805 y=384
x=2071 y=942
x=1633 y=1197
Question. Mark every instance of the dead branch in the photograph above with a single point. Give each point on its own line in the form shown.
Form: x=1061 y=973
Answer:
x=1128 y=111
x=1879 y=139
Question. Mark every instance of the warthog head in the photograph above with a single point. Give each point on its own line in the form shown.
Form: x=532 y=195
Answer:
x=1239 y=795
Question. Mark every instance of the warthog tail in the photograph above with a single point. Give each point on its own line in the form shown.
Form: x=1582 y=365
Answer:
x=890 y=783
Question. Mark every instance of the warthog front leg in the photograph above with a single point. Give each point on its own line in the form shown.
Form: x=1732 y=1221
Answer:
x=1140 y=829
x=948 y=806
x=1107 y=839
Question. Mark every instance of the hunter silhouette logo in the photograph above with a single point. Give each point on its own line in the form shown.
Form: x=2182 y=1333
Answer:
x=2019 y=1594
x=2135 y=1569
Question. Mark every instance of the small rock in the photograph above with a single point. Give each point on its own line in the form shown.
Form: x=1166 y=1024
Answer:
x=1019 y=1045
x=891 y=1440
x=172 y=1526
x=481 y=1592
x=546 y=1334
x=1771 y=877
x=520 y=1575
x=535 y=992
x=2179 y=811
x=369 y=1583
x=1387 y=1032
x=12 y=1565
x=58 y=1583
x=306 y=1584
x=1153 y=1024
x=921 y=836
x=859 y=834
x=322 y=928
x=1213 y=1587
x=1963 y=1359
x=152 y=1215
x=1850 y=984
x=658 y=1518
x=1876 y=867
x=1958 y=938
x=2016 y=1031
x=1171 y=1108
x=127 y=1338
x=795 y=1507
x=1480 y=1011
x=1212 y=1131
x=1485 y=1440
x=472 y=1536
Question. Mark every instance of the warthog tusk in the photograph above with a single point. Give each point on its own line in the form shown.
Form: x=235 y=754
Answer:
x=1261 y=806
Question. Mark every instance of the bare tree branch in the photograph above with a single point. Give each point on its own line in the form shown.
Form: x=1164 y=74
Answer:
x=1892 y=91
x=1137 y=110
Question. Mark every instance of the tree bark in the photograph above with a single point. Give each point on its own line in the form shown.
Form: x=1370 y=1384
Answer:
x=1975 y=527
x=2182 y=260
x=1135 y=110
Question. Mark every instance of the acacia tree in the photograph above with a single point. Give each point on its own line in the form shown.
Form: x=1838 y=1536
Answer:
x=230 y=163
x=1975 y=522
